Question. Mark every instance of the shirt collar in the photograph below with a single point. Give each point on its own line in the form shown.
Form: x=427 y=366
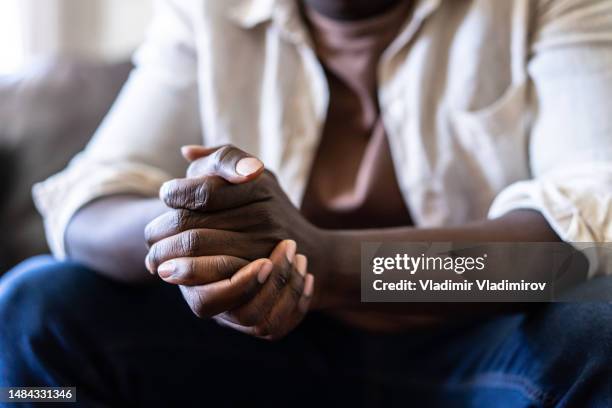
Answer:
x=250 y=13
x=285 y=14
x=282 y=13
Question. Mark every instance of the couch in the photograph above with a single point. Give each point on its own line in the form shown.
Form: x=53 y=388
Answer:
x=48 y=112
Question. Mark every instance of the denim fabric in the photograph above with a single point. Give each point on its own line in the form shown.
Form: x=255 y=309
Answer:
x=61 y=324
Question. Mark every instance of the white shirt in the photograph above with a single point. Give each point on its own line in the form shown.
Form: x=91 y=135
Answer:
x=489 y=106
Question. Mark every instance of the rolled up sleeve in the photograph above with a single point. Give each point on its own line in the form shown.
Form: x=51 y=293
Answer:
x=137 y=146
x=570 y=146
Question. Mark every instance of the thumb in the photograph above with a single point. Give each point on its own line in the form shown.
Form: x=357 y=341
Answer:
x=228 y=162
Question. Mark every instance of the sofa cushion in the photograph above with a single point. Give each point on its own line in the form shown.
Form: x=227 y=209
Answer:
x=48 y=112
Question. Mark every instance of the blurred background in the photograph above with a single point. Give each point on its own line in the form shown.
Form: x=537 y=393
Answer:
x=62 y=63
x=97 y=29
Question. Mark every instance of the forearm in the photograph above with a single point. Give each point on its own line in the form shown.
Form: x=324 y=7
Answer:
x=108 y=235
x=342 y=290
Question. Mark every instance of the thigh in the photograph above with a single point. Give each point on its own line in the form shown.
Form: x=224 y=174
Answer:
x=459 y=364
x=555 y=355
x=121 y=344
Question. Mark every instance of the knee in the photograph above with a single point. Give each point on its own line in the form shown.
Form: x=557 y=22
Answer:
x=38 y=287
x=578 y=335
x=571 y=348
x=34 y=297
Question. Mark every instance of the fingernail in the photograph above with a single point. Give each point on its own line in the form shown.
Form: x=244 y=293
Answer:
x=301 y=263
x=308 y=286
x=290 y=252
x=248 y=166
x=264 y=272
x=166 y=269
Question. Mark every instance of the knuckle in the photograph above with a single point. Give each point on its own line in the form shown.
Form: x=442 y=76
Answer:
x=296 y=287
x=182 y=220
x=265 y=217
x=201 y=193
x=281 y=278
x=189 y=242
x=188 y=269
x=221 y=153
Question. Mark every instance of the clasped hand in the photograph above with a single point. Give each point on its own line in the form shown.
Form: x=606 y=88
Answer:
x=229 y=242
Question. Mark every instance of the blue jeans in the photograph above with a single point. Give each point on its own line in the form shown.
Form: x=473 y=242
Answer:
x=62 y=324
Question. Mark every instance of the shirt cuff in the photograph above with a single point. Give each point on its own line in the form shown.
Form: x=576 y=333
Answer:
x=59 y=197
x=576 y=202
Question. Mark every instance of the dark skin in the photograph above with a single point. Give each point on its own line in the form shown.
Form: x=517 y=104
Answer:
x=214 y=212
x=351 y=9
x=117 y=251
x=214 y=232
x=220 y=223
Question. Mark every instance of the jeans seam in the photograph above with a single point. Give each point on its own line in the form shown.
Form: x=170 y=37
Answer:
x=491 y=379
x=516 y=382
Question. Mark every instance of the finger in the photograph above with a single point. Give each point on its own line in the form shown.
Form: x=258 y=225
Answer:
x=173 y=222
x=217 y=297
x=194 y=152
x=210 y=193
x=296 y=316
x=228 y=162
x=285 y=315
x=221 y=320
x=301 y=264
x=251 y=331
x=252 y=313
x=306 y=299
x=199 y=270
x=292 y=316
x=208 y=242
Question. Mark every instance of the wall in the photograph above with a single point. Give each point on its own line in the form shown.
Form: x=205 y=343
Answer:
x=123 y=26
x=11 y=40
x=103 y=29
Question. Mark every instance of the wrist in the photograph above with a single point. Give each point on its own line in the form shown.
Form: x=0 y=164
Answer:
x=327 y=266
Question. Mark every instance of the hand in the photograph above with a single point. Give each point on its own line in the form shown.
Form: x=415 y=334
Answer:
x=266 y=298
x=225 y=225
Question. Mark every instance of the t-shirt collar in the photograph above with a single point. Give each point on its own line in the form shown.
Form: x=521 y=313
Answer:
x=285 y=14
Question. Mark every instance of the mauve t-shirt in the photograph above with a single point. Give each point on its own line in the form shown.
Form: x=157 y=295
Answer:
x=352 y=183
